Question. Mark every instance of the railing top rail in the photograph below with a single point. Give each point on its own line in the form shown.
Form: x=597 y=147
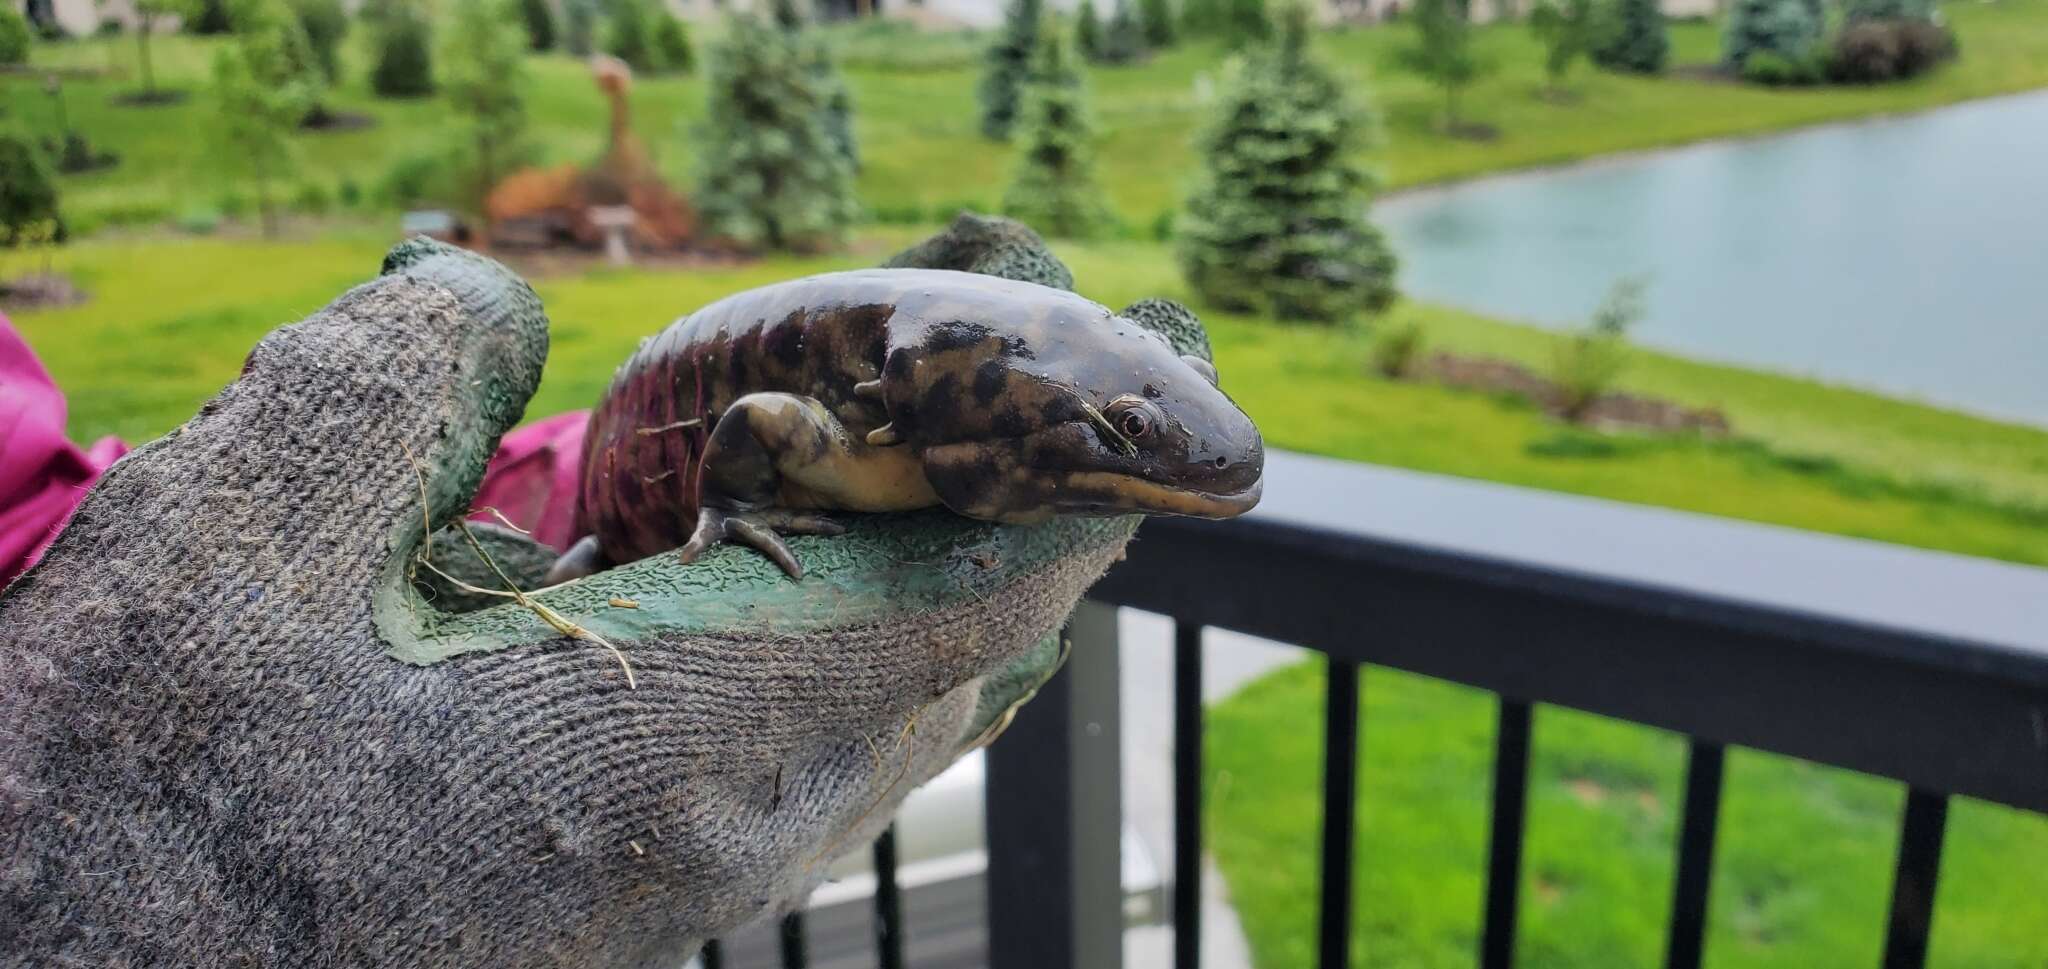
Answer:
x=1924 y=666
x=1971 y=612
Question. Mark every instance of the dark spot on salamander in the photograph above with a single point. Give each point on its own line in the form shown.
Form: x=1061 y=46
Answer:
x=785 y=341
x=956 y=336
x=1019 y=347
x=1009 y=423
x=989 y=380
x=943 y=396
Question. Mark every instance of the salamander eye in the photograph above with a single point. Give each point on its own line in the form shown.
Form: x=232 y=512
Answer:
x=1134 y=424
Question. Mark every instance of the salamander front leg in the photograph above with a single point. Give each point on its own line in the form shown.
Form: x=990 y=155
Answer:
x=754 y=442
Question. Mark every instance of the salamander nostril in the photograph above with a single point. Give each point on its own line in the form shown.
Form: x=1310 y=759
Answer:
x=1221 y=463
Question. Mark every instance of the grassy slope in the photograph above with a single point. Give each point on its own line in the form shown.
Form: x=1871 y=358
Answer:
x=924 y=157
x=1804 y=850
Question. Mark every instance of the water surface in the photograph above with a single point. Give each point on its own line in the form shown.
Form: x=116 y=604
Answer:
x=1907 y=255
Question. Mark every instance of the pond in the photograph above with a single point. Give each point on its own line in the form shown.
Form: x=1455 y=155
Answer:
x=1906 y=255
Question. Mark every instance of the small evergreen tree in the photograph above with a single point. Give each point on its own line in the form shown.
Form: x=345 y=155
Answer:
x=16 y=37
x=631 y=38
x=1158 y=19
x=483 y=72
x=539 y=17
x=1123 y=42
x=1054 y=188
x=28 y=190
x=1008 y=63
x=1277 y=222
x=405 y=59
x=1630 y=37
x=276 y=51
x=1087 y=31
x=259 y=98
x=672 y=42
x=1787 y=29
x=817 y=57
x=768 y=171
x=325 y=24
x=580 y=32
x=1443 y=52
x=1565 y=28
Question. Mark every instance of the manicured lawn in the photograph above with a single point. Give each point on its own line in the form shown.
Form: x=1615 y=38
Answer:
x=1805 y=851
x=916 y=115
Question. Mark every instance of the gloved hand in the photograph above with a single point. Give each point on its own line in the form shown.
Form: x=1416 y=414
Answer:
x=244 y=723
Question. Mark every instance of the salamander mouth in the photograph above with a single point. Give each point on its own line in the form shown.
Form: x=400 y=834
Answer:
x=1153 y=498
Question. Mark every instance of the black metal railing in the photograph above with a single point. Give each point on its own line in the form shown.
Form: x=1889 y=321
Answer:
x=1923 y=667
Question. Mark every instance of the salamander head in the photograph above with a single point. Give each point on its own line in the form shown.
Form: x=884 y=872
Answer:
x=1113 y=423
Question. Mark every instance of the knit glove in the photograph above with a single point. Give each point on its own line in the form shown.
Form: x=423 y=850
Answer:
x=250 y=715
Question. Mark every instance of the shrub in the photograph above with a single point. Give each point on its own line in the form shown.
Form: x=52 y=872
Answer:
x=631 y=38
x=312 y=198
x=109 y=27
x=325 y=24
x=1771 y=69
x=15 y=36
x=1395 y=347
x=1157 y=16
x=1585 y=363
x=1008 y=61
x=1054 y=188
x=1787 y=29
x=540 y=24
x=28 y=190
x=232 y=204
x=405 y=60
x=1630 y=37
x=1087 y=30
x=1277 y=220
x=418 y=179
x=1874 y=51
x=211 y=18
x=672 y=42
x=199 y=220
x=349 y=194
x=769 y=173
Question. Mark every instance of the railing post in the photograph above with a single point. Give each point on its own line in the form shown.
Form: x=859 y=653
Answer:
x=1055 y=814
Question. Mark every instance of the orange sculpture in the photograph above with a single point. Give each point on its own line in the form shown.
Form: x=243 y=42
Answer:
x=549 y=206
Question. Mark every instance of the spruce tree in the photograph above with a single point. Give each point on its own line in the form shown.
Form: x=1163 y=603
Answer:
x=1277 y=222
x=1054 y=188
x=16 y=37
x=769 y=174
x=1158 y=19
x=28 y=189
x=1008 y=64
x=405 y=59
x=1785 y=28
x=1123 y=41
x=1631 y=38
x=483 y=69
x=789 y=17
x=540 y=24
x=1087 y=31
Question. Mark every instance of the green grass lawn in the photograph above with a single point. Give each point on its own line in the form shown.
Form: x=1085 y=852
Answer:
x=1805 y=851
x=916 y=115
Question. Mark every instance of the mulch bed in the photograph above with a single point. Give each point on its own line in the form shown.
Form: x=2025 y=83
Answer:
x=38 y=292
x=327 y=121
x=1615 y=411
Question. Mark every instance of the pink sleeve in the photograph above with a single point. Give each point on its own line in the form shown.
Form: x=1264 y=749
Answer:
x=532 y=479
x=42 y=474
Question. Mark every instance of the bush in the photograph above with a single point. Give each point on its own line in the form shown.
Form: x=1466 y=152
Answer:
x=28 y=190
x=1157 y=16
x=540 y=24
x=1787 y=29
x=672 y=42
x=1008 y=64
x=212 y=18
x=198 y=220
x=405 y=59
x=1631 y=38
x=349 y=194
x=109 y=27
x=769 y=172
x=1773 y=70
x=1277 y=221
x=1395 y=347
x=420 y=179
x=632 y=36
x=325 y=23
x=1585 y=363
x=15 y=36
x=312 y=198
x=1054 y=189
x=232 y=204
x=1874 y=52
x=1087 y=30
